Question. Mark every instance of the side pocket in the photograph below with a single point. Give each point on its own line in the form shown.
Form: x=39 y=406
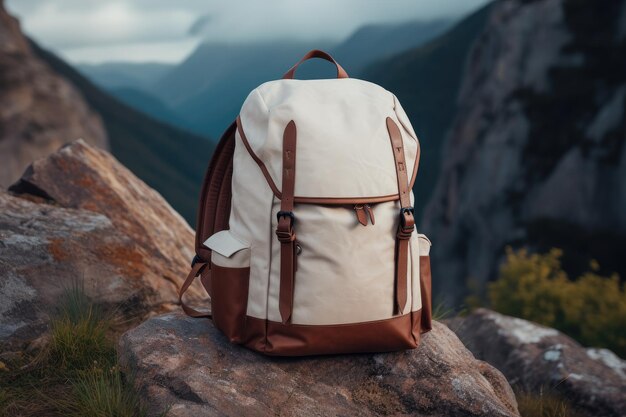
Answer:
x=425 y=283
x=230 y=274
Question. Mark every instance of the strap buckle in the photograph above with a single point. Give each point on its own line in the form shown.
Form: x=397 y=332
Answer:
x=406 y=210
x=407 y=223
x=282 y=213
x=196 y=259
x=285 y=235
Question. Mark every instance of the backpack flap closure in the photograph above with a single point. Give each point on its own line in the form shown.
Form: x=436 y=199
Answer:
x=343 y=146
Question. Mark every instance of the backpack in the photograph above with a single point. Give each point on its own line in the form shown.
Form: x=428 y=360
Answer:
x=305 y=239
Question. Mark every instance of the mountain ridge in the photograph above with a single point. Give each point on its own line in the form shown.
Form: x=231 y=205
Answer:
x=169 y=160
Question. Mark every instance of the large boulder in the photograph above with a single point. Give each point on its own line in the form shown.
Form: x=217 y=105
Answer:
x=39 y=110
x=78 y=216
x=536 y=358
x=189 y=365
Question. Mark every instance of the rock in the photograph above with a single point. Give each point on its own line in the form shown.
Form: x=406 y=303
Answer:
x=534 y=357
x=188 y=364
x=80 y=216
x=39 y=111
x=516 y=170
x=83 y=177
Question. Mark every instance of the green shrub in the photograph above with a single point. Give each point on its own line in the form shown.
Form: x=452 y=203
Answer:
x=591 y=309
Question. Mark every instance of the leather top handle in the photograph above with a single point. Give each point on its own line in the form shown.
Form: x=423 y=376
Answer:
x=316 y=53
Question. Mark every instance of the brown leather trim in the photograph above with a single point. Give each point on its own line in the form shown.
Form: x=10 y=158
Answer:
x=215 y=195
x=426 y=290
x=258 y=161
x=316 y=53
x=345 y=200
x=213 y=212
x=406 y=224
x=196 y=270
x=284 y=229
x=229 y=300
x=277 y=339
x=315 y=200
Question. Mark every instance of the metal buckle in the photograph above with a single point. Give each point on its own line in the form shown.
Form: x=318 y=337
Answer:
x=195 y=260
x=403 y=211
x=292 y=218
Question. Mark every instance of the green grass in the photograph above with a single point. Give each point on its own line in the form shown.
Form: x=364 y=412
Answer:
x=76 y=373
x=442 y=311
x=545 y=403
x=79 y=334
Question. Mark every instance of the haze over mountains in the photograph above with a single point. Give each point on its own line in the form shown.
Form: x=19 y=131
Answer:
x=207 y=89
x=46 y=103
x=171 y=160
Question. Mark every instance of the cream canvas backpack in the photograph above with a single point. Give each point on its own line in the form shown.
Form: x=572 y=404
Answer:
x=306 y=239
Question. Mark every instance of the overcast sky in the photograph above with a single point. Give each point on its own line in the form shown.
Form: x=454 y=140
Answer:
x=167 y=30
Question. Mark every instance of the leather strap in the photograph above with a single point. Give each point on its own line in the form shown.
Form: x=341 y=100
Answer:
x=406 y=224
x=215 y=196
x=316 y=53
x=195 y=271
x=213 y=212
x=285 y=228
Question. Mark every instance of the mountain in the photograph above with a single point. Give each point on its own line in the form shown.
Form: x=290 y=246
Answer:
x=377 y=42
x=208 y=91
x=536 y=153
x=168 y=159
x=209 y=87
x=39 y=111
x=426 y=80
x=152 y=106
x=113 y=75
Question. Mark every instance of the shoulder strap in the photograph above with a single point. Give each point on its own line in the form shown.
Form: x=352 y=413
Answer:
x=213 y=211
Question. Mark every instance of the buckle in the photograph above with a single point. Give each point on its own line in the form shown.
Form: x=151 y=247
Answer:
x=403 y=211
x=195 y=260
x=292 y=218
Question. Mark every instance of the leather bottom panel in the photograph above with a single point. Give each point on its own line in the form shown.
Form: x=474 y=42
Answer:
x=274 y=338
x=426 y=290
x=229 y=295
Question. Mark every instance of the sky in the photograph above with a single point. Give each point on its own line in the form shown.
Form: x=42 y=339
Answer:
x=96 y=31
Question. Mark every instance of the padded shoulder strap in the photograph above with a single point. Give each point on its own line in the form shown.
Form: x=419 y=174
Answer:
x=214 y=208
x=213 y=212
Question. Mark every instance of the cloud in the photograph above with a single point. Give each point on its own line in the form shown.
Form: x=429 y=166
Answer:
x=199 y=26
x=73 y=27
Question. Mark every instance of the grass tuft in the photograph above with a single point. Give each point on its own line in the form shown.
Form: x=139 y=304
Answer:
x=441 y=311
x=77 y=373
x=545 y=403
x=77 y=345
x=103 y=393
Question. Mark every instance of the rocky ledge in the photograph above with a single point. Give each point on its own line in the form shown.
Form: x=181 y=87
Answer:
x=537 y=358
x=79 y=216
x=188 y=365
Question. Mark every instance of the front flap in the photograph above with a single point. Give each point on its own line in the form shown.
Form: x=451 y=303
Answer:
x=343 y=146
x=225 y=243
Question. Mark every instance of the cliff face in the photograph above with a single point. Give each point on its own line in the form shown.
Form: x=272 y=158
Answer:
x=39 y=111
x=535 y=156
